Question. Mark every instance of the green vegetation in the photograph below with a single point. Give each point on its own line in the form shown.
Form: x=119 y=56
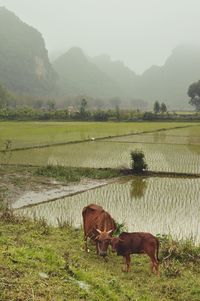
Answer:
x=44 y=263
x=74 y=174
x=138 y=162
x=194 y=94
x=26 y=134
x=3 y=97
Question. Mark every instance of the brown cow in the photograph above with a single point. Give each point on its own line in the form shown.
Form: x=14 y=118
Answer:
x=136 y=243
x=99 y=226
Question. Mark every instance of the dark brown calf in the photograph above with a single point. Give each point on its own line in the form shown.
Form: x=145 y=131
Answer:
x=136 y=243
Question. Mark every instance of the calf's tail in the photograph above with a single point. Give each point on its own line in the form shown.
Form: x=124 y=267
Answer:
x=157 y=249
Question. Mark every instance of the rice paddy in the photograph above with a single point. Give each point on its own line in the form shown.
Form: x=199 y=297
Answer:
x=156 y=205
x=29 y=134
x=180 y=158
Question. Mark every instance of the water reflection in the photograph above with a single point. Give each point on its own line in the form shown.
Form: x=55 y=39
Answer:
x=159 y=137
x=167 y=205
x=138 y=187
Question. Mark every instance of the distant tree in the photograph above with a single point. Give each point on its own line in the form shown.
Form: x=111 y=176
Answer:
x=100 y=116
x=4 y=97
x=156 y=107
x=51 y=104
x=83 y=108
x=194 y=94
x=117 y=112
x=38 y=103
x=163 y=108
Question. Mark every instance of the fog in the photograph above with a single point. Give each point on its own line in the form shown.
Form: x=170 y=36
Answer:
x=138 y=32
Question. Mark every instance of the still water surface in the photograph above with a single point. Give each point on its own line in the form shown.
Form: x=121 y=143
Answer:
x=156 y=205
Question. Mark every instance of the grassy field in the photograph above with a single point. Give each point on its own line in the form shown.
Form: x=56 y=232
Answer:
x=40 y=263
x=27 y=134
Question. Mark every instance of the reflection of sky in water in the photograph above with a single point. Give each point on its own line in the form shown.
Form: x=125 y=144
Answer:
x=157 y=205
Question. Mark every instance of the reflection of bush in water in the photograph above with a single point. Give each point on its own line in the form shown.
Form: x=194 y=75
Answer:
x=194 y=148
x=138 y=187
x=159 y=137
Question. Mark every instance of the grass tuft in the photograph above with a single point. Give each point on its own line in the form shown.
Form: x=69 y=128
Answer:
x=73 y=174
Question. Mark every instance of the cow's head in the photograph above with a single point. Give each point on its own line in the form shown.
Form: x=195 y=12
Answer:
x=103 y=240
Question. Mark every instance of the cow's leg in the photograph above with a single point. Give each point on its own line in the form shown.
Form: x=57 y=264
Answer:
x=86 y=246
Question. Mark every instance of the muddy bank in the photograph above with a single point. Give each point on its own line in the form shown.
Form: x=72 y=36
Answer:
x=32 y=197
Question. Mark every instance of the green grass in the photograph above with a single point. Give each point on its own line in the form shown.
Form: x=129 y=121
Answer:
x=29 y=249
x=74 y=174
x=28 y=134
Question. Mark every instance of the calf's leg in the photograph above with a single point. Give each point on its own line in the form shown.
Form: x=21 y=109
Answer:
x=127 y=261
x=154 y=263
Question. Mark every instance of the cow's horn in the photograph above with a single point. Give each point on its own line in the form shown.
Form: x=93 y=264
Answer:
x=99 y=231
x=110 y=231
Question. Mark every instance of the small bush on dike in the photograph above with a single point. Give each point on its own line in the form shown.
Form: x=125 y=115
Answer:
x=138 y=162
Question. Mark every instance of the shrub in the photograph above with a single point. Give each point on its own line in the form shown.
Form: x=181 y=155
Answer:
x=120 y=227
x=138 y=162
x=181 y=251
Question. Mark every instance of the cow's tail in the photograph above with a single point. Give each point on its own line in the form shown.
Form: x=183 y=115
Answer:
x=157 y=249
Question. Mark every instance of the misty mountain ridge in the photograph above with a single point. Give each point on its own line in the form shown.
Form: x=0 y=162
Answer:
x=79 y=75
x=25 y=69
x=168 y=83
x=24 y=62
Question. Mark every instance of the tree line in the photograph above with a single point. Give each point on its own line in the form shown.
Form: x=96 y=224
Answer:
x=22 y=107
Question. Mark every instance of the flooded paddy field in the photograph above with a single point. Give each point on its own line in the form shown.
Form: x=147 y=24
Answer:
x=185 y=136
x=159 y=156
x=156 y=205
x=30 y=134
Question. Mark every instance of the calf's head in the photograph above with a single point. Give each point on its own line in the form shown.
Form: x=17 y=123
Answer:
x=103 y=240
x=114 y=243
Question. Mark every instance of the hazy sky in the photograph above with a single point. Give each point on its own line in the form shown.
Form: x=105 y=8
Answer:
x=139 y=32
